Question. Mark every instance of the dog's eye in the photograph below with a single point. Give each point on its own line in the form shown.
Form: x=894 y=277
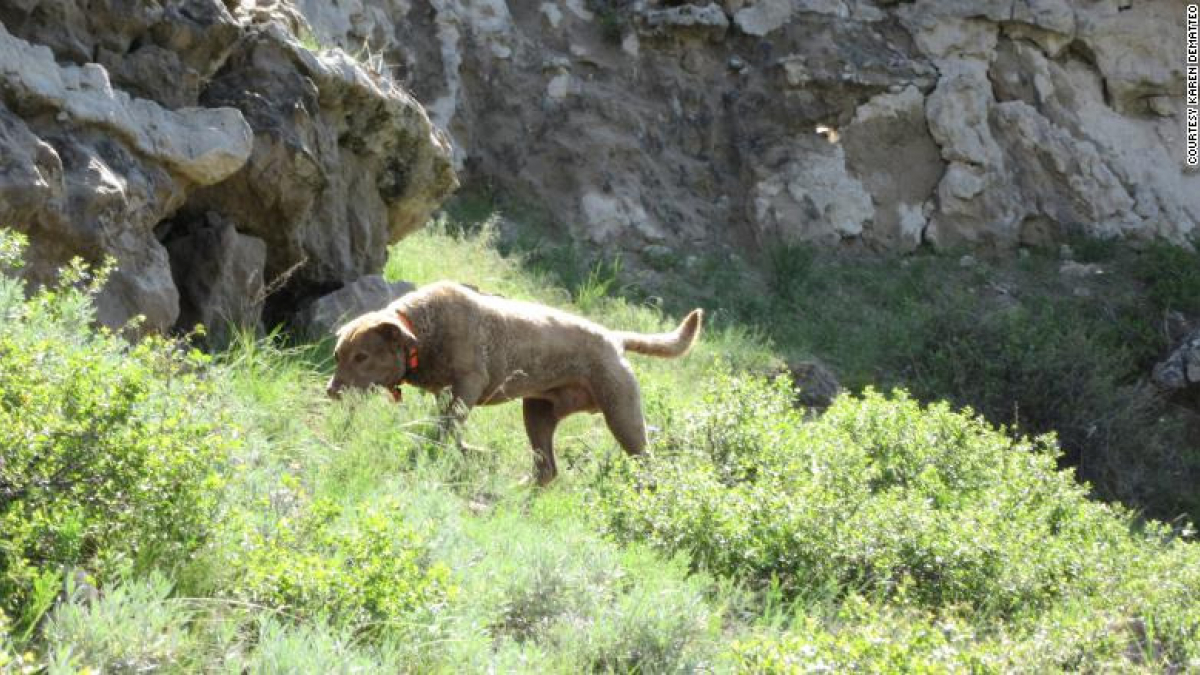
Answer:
x=360 y=357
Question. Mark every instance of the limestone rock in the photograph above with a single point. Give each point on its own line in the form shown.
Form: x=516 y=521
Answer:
x=958 y=114
x=325 y=314
x=1181 y=368
x=901 y=179
x=201 y=145
x=608 y=218
x=979 y=123
x=1135 y=49
x=124 y=125
x=344 y=162
x=838 y=8
x=91 y=172
x=815 y=201
x=361 y=22
x=1141 y=152
x=162 y=51
x=976 y=201
x=815 y=384
x=1062 y=177
x=704 y=20
x=763 y=16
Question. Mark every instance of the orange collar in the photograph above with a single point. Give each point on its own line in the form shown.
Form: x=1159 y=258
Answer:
x=410 y=356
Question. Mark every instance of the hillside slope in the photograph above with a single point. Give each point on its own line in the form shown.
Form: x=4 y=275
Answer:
x=882 y=535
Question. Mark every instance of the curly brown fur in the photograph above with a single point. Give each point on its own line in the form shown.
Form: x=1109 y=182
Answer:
x=487 y=349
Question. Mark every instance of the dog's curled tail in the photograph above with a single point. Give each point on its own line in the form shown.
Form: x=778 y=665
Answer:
x=666 y=345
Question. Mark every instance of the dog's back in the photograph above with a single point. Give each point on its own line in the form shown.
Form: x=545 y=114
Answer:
x=526 y=347
x=517 y=321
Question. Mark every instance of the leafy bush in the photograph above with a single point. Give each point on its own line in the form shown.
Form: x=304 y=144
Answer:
x=922 y=506
x=871 y=640
x=357 y=567
x=1172 y=276
x=907 y=539
x=137 y=626
x=553 y=583
x=1018 y=341
x=871 y=637
x=10 y=660
x=109 y=452
x=133 y=627
x=1051 y=366
x=649 y=629
x=285 y=647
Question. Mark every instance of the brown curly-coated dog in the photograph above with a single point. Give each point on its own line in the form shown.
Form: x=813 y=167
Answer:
x=487 y=349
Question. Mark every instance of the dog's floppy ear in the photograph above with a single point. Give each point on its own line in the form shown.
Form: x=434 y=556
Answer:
x=394 y=330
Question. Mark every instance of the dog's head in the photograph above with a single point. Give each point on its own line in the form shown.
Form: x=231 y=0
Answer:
x=372 y=350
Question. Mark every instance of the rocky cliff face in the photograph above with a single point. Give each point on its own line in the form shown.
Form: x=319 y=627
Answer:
x=231 y=168
x=226 y=167
x=989 y=123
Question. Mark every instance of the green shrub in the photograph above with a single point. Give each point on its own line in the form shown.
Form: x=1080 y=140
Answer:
x=1172 y=276
x=553 y=595
x=284 y=647
x=651 y=628
x=356 y=567
x=109 y=452
x=922 y=506
x=10 y=660
x=133 y=627
x=1054 y=365
x=864 y=639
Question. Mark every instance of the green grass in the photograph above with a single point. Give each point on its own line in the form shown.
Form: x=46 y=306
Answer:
x=884 y=536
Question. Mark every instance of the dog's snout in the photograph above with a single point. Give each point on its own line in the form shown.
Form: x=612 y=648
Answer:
x=333 y=389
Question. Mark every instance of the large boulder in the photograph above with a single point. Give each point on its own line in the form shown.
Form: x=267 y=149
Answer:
x=128 y=128
x=89 y=171
x=162 y=51
x=344 y=161
x=1181 y=369
x=327 y=313
x=816 y=386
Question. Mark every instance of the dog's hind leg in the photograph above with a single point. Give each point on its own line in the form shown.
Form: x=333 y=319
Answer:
x=618 y=397
x=540 y=422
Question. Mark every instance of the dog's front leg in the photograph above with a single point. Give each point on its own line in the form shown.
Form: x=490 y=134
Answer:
x=464 y=394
